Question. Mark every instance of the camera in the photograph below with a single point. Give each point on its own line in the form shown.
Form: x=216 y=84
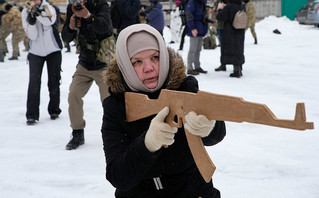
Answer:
x=77 y=3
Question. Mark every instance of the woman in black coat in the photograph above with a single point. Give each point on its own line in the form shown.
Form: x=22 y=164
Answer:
x=136 y=163
x=232 y=49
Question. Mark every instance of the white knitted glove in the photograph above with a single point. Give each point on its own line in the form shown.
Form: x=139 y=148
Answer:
x=159 y=133
x=198 y=125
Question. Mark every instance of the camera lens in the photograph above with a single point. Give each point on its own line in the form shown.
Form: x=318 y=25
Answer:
x=78 y=6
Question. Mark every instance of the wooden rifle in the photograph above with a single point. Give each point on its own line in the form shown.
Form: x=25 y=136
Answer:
x=214 y=107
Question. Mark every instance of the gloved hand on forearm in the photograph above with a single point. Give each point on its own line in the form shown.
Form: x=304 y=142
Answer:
x=35 y=11
x=159 y=133
x=31 y=19
x=82 y=13
x=198 y=125
x=73 y=21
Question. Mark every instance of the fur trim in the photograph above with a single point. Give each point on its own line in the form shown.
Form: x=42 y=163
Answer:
x=177 y=73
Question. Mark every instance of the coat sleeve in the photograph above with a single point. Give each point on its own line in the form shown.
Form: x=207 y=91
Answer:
x=216 y=135
x=222 y=15
x=127 y=160
x=30 y=30
x=68 y=35
x=153 y=14
x=44 y=19
x=190 y=9
x=100 y=19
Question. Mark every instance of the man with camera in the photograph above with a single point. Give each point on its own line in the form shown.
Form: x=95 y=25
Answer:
x=38 y=20
x=88 y=23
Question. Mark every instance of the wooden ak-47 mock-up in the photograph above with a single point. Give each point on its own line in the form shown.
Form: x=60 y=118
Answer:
x=214 y=107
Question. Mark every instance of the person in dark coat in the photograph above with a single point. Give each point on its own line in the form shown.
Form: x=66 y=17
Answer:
x=182 y=11
x=129 y=13
x=137 y=165
x=233 y=39
x=220 y=25
x=91 y=27
x=155 y=16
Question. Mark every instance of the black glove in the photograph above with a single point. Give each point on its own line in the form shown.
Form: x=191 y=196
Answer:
x=31 y=19
x=38 y=11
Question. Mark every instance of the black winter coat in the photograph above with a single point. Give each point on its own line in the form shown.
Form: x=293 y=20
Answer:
x=129 y=12
x=130 y=167
x=232 y=49
x=92 y=30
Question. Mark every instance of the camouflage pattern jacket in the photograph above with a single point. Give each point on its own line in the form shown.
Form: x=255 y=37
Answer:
x=12 y=20
x=251 y=13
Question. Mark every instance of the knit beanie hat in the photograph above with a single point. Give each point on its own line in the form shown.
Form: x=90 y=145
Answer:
x=134 y=39
x=8 y=7
x=140 y=41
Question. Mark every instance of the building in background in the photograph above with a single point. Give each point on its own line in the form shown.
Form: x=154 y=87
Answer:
x=264 y=8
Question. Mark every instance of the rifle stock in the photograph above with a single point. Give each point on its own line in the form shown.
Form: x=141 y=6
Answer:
x=214 y=107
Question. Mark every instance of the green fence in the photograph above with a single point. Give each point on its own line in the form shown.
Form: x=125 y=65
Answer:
x=290 y=7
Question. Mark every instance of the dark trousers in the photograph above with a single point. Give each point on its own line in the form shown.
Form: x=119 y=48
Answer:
x=181 y=46
x=36 y=64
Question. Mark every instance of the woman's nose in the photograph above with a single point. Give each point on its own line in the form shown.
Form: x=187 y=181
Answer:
x=148 y=66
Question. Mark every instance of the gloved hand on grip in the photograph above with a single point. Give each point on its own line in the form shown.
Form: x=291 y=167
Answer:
x=72 y=24
x=82 y=13
x=31 y=19
x=159 y=132
x=198 y=125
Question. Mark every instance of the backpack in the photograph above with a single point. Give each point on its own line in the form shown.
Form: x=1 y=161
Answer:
x=240 y=20
x=209 y=42
x=115 y=15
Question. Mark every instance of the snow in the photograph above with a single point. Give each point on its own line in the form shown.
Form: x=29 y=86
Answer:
x=252 y=161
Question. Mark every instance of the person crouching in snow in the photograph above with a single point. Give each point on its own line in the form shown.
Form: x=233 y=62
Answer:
x=137 y=165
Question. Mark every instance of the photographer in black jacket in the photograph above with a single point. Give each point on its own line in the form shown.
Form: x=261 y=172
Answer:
x=89 y=23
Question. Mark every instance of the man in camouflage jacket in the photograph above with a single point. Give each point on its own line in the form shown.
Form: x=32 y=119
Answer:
x=251 y=13
x=11 y=23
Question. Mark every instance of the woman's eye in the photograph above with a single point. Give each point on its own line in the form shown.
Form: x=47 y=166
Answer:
x=135 y=63
x=155 y=58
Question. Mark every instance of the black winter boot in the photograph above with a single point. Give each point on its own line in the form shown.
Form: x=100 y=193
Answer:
x=13 y=58
x=237 y=71
x=221 y=68
x=77 y=139
x=31 y=121
x=200 y=70
x=236 y=74
x=192 y=72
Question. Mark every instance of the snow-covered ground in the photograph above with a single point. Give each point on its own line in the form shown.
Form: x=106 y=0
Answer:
x=252 y=161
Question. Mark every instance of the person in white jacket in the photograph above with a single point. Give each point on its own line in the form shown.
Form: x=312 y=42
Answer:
x=38 y=20
x=176 y=24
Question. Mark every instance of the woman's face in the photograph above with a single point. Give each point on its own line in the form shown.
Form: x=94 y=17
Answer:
x=146 y=66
